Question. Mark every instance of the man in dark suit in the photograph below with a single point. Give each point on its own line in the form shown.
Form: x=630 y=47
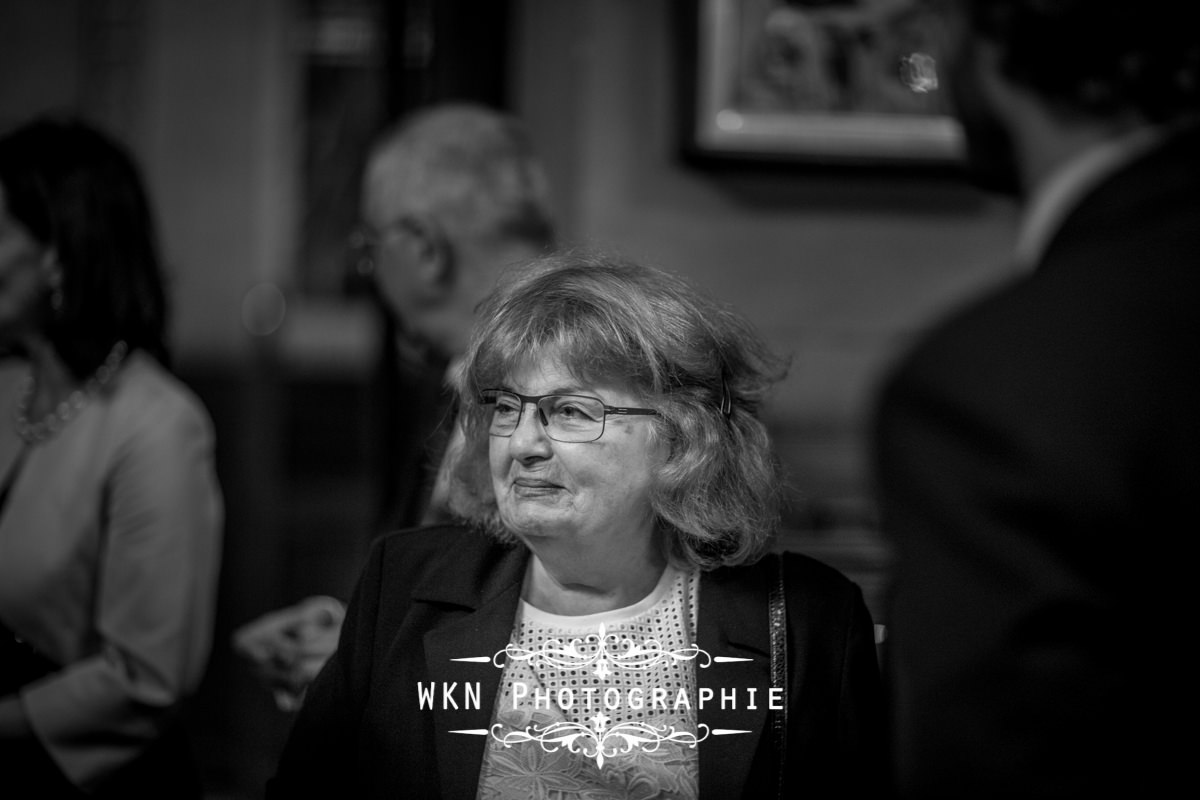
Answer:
x=1038 y=453
x=451 y=196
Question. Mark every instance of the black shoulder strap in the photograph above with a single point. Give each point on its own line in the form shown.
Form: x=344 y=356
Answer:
x=11 y=478
x=777 y=608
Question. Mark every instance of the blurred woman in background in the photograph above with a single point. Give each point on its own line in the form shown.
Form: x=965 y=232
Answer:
x=110 y=511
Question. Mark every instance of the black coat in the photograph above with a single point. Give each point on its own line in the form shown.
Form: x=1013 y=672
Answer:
x=435 y=594
x=1038 y=460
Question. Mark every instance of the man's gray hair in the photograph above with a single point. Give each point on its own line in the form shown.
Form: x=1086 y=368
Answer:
x=469 y=167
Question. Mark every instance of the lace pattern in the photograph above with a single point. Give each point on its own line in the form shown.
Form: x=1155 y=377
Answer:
x=592 y=692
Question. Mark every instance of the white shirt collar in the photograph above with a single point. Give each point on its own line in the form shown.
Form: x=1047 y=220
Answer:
x=1061 y=191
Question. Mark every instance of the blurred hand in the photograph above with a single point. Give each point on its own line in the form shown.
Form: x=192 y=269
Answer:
x=287 y=648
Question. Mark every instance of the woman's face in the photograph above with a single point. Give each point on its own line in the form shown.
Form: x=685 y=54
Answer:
x=23 y=278
x=546 y=488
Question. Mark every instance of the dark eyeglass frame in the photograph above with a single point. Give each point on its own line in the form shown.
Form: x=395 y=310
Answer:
x=364 y=241
x=361 y=245
x=490 y=396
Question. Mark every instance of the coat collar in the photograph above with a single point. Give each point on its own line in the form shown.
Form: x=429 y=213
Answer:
x=477 y=585
x=472 y=571
x=478 y=582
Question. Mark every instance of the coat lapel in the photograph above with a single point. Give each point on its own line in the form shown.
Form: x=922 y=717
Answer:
x=733 y=623
x=485 y=588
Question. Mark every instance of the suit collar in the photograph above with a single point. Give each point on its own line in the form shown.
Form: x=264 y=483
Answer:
x=1061 y=191
x=1099 y=188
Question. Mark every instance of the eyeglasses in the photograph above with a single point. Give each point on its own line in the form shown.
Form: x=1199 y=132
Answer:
x=364 y=241
x=361 y=245
x=565 y=417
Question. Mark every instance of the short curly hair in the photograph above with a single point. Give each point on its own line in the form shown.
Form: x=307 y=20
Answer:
x=700 y=364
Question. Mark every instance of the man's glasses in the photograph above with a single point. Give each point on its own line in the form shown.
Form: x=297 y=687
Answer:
x=365 y=241
x=361 y=246
x=565 y=417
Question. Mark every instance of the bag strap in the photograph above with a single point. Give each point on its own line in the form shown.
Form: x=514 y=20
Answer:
x=14 y=472
x=777 y=611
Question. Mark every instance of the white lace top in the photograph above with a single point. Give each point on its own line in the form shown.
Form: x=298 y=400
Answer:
x=587 y=703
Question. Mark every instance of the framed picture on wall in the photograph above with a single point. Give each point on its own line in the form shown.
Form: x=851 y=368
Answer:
x=834 y=81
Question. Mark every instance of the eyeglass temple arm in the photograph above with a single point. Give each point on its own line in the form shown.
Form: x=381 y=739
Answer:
x=628 y=411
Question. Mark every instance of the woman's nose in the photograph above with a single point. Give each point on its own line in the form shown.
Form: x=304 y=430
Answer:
x=529 y=440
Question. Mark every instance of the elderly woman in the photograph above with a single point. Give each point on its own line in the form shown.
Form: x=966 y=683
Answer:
x=603 y=623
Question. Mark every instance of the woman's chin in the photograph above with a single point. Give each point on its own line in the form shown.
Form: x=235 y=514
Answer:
x=526 y=523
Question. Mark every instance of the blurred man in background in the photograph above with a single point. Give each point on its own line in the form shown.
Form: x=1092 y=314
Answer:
x=1038 y=454
x=451 y=196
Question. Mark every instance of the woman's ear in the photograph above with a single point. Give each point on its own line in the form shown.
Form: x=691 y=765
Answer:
x=663 y=438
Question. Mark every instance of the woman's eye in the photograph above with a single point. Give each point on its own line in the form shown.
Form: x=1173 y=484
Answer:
x=506 y=408
x=569 y=412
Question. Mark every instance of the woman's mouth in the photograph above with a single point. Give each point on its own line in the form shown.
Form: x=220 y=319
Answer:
x=533 y=486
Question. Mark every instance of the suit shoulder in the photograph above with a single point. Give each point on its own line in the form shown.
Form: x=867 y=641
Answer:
x=986 y=354
x=980 y=324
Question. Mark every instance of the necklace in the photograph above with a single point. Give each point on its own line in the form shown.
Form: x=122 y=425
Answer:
x=67 y=410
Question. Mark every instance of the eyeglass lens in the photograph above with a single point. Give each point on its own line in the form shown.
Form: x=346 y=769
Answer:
x=566 y=417
x=361 y=246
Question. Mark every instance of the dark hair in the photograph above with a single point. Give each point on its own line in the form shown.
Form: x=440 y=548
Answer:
x=700 y=364
x=79 y=191
x=1099 y=56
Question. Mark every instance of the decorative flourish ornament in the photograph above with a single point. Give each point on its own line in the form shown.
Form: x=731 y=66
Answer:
x=597 y=738
x=67 y=410
x=612 y=652
x=599 y=741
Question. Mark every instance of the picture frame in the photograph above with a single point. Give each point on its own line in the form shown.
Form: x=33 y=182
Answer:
x=818 y=81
